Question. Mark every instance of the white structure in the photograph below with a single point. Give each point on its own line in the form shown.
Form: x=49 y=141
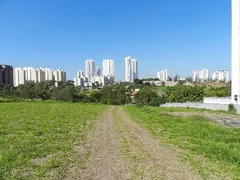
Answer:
x=200 y=75
x=108 y=67
x=162 y=75
x=101 y=80
x=220 y=75
x=235 y=51
x=90 y=69
x=30 y=74
x=131 y=69
x=59 y=76
x=48 y=74
x=19 y=76
x=80 y=81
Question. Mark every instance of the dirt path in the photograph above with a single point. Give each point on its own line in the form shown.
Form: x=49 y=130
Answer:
x=122 y=149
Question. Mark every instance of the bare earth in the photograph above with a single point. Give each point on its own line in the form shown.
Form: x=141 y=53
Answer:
x=121 y=149
x=228 y=120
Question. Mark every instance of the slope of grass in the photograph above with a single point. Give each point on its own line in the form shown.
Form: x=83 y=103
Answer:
x=36 y=138
x=213 y=150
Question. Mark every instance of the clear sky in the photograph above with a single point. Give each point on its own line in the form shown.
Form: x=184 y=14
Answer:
x=178 y=35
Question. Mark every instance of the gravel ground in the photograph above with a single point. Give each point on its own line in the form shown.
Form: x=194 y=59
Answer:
x=220 y=118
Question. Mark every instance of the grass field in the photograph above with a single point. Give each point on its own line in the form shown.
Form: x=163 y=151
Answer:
x=37 y=138
x=213 y=150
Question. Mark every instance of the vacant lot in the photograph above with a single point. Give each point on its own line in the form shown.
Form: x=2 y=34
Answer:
x=212 y=149
x=37 y=138
x=50 y=140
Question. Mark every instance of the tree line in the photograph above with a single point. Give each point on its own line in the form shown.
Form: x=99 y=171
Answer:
x=122 y=93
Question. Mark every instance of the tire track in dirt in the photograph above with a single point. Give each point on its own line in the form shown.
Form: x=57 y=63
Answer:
x=105 y=162
x=121 y=149
x=147 y=159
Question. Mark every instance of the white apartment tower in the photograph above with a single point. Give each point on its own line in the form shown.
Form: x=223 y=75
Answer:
x=220 y=75
x=108 y=68
x=236 y=51
x=200 y=75
x=163 y=75
x=89 y=69
x=19 y=76
x=30 y=74
x=131 y=69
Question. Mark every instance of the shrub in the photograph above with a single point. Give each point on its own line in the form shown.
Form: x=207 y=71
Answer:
x=231 y=108
x=139 y=105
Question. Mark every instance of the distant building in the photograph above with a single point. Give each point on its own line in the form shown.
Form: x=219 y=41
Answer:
x=6 y=74
x=80 y=74
x=200 y=75
x=131 y=69
x=220 y=75
x=101 y=80
x=80 y=81
x=48 y=74
x=30 y=74
x=59 y=76
x=108 y=68
x=163 y=75
x=90 y=70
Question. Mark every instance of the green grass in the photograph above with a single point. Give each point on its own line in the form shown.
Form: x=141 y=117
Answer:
x=213 y=150
x=37 y=138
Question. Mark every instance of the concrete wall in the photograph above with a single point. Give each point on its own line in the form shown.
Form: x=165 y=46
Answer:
x=215 y=100
x=223 y=107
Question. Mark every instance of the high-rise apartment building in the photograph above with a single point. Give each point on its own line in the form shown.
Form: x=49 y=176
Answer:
x=6 y=74
x=236 y=51
x=200 y=75
x=48 y=74
x=30 y=74
x=134 y=66
x=59 y=76
x=108 y=68
x=131 y=69
x=90 y=69
x=220 y=75
x=163 y=75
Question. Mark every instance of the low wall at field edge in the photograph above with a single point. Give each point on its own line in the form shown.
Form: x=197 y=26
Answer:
x=223 y=107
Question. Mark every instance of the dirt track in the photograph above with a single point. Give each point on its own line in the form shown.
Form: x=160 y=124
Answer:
x=121 y=149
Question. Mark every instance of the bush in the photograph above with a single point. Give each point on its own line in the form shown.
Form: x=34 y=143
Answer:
x=139 y=105
x=231 y=108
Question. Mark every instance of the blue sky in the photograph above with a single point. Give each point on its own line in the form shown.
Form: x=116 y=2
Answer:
x=180 y=36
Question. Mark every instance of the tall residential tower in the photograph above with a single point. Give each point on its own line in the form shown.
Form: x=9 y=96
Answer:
x=131 y=69
x=108 y=68
x=90 y=69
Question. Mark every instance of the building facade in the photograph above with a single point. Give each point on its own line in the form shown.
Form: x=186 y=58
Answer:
x=108 y=68
x=163 y=75
x=220 y=75
x=201 y=75
x=236 y=51
x=90 y=69
x=6 y=74
x=131 y=69
x=30 y=74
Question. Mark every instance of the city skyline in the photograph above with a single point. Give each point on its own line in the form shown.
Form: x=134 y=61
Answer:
x=178 y=39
